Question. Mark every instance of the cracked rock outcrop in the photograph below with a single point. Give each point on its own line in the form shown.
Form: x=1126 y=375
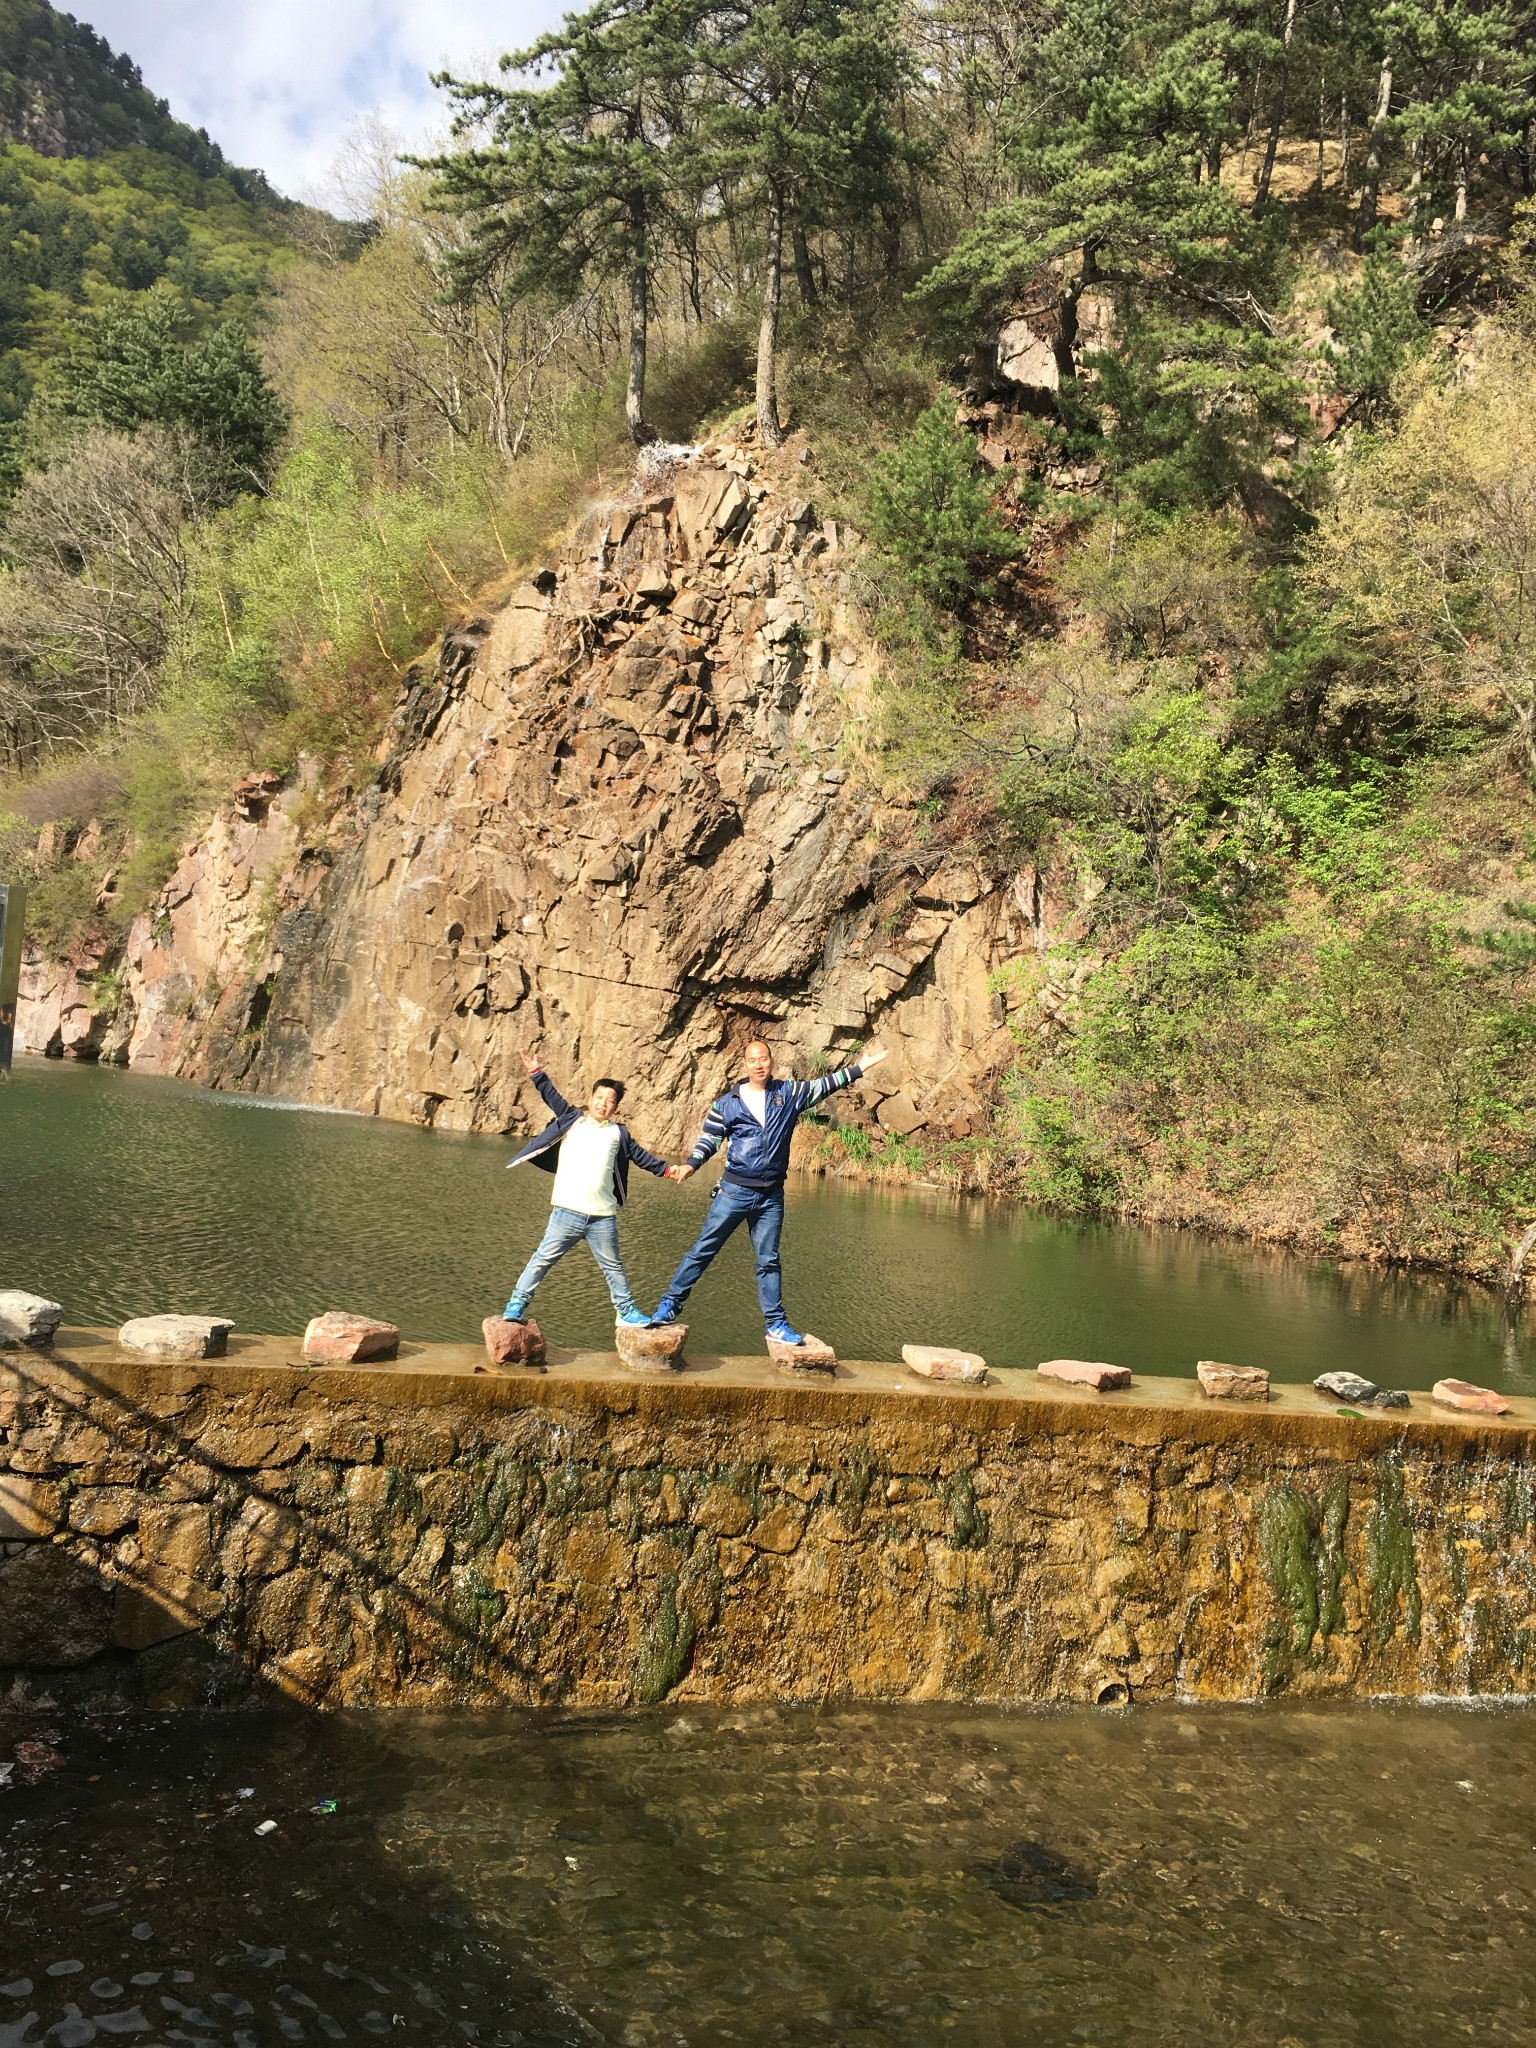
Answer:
x=623 y=820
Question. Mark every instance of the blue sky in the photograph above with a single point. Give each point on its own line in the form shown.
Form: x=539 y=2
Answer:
x=278 y=83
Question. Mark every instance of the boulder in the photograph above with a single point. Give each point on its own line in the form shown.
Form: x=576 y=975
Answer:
x=341 y=1338
x=514 y=1343
x=809 y=1356
x=1359 y=1393
x=900 y=1115
x=659 y=1349
x=942 y=1362
x=176 y=1336
x=1471 y=1400
x=1232 y=1382
x=27 y=1318
x=1083 y=1372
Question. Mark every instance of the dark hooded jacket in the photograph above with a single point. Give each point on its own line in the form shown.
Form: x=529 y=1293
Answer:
x=544 y=1150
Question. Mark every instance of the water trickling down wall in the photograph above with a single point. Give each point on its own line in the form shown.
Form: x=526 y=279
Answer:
x=431 y=1535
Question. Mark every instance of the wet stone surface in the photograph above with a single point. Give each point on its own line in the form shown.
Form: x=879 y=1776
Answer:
x=1280 y=1876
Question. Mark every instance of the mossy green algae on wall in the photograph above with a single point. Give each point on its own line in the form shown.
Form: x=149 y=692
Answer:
x=423 y=1533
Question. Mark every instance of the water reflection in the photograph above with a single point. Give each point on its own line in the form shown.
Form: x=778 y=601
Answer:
x=122 y=1194
x=1358 y=1875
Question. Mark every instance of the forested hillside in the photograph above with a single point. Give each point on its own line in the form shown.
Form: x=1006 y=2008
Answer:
x=1174 y=363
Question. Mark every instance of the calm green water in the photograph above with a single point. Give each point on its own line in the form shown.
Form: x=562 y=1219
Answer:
x=123 y=1195
x=1282 y=1877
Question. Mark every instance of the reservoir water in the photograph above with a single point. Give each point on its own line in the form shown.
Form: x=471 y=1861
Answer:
x=124 y=1195
x=1286 y=1877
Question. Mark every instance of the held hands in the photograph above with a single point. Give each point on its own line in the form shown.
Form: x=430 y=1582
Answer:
x=678 y=1172
x=530 y=1064
x=872 y=1059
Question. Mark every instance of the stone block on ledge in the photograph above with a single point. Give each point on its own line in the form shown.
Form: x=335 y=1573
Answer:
x=1084 y=1372
x=812 y=1357
x=514 y=1343
x=943 y=1362
x=1358 y=1392
x=340 y=1338
x=659 y=1349
x=1232 y=1382
x=1469 y=1399
x=29 y=1319
x=176 y=1336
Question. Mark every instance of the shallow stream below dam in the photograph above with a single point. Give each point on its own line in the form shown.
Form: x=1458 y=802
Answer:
x=1284 y=1876
x=124 y=1195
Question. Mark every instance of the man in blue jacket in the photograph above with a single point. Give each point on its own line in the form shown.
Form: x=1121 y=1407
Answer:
x=755 y=1121
x=589 y=1154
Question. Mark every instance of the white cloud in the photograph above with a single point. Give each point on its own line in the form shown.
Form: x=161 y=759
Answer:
x=276 y=83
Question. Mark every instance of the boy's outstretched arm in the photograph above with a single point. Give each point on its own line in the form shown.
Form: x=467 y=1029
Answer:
x=640 y=1157
x=535 y=1072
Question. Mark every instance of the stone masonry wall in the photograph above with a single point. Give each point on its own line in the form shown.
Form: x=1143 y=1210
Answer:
x=424 y=1535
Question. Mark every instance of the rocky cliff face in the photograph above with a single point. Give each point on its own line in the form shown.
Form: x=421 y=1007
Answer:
x=623 y=822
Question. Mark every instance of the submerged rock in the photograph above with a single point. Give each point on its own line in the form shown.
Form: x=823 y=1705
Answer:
x=1028 y=1875
x=341 y=1338
x=1085 y=1372
x=1471 y=1400
x=659 y=1349
x=809 y=1356
x=176 y=1336
x=1232 y=1382
x=28 y=1318
x=943 y=1362
x=514 y=1343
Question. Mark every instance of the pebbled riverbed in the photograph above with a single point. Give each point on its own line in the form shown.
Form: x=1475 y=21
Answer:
x=1277 y=1875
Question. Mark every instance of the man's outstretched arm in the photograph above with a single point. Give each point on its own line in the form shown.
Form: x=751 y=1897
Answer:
x=828 y=1084
x=710 y=1139
x=536 y=1074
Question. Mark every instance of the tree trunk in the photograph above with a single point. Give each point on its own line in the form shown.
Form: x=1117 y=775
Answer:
x=805 y=277
x=769 y=431
x=1277 y=110
x=1064 y=348
x=1365 y=218
x=1344 y=147
x=639 y=322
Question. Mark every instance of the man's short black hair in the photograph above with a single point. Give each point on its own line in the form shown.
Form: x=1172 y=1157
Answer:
x=616 y=1086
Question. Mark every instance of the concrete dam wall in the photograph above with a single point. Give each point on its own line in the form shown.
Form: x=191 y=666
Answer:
x=427 y=1533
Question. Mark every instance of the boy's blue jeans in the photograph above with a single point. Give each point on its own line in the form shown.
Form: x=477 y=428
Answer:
x=567 y=1227
x=762 y=1210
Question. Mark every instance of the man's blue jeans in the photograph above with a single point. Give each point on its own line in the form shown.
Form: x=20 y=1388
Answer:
x=762 y=1210
x=567 y=1227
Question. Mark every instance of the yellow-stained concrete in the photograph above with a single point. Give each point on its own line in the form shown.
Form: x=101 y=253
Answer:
x=435 y=1531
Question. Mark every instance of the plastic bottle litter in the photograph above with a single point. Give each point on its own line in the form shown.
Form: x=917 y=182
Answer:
x=324 y=1806
x=266 y=1827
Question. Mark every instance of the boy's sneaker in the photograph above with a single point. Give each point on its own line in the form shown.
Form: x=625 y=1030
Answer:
x=634 y=1319
x=781 y=1333
x=516 y=1310
x=666 y=1310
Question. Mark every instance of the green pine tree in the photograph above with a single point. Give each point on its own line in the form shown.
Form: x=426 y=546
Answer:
x=576 y=184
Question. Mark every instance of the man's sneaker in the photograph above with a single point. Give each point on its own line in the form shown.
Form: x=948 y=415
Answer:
x=666 y=1310
x=634 y=1319
x=516 y=1310
x=781 y=1333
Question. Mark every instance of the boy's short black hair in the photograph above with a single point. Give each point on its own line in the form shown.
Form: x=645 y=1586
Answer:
x=616 y=1086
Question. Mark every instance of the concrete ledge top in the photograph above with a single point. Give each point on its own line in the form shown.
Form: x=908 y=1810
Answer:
x=1015 y=1400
